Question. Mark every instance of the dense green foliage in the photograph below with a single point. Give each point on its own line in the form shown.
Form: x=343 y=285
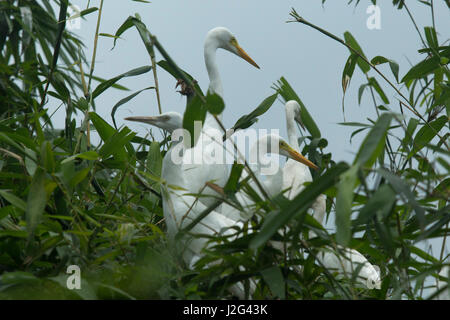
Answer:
x=64 y=201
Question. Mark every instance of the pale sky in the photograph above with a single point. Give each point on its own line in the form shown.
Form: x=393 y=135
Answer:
x=310 y=61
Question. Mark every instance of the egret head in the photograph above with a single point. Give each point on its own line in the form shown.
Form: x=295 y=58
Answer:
x=373 y=277
x=221 y=37
x=168 y=121
x=292 y=107
x=275 y=144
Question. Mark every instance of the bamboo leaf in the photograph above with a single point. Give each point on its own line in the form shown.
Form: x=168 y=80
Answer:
x=123 y=101
x=37 y=198
x=344 y=201
x=13 y=199
x=195 y=112
x=351 y=41
x=392 y=64
x=247 y=120
x=274 y=279
x=427 y=133
x=402 y=188
x=379 y=204
x=275 y=220
x=286 y=91
x=374 y=142
x=109 y=83
x=214 y=103
x=348 y=71
x=422 y=69
x=374 y=84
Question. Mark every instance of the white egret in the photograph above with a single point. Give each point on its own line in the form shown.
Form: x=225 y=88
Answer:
x=295 y=174
x=346 y=262
x=272 y=183
x=209 y=170
x=169 y=121
x=180 y=208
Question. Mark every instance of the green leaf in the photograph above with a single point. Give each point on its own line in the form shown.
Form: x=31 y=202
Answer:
x=432 y=40
x=435 y=227
x=108 y=83
x=344 y=201
x=47 y=157
x=195 y=112
x=37 y=198
x=275 y=220
x=286 y=91
x=422 y=69
x=116 y=143
x=19 y=277
x=273 y=277
x=154 y=161
x=402 y=188
x=427 y=133
x=247 y=120
x=233 y=181
x=361 y=91
x=351 y=41
x=88 y=155
x=412 y=125
x=348 y=71
x=143 y=32
x=83 y=13
x=13 y=199
x=79 y=176
x=107 y=35
x=169 y=68
x=214 y=103
x=392 y=64
x=123 y=101
x=374 y=84
x=374 y=142
x=106 y=132
x=380 y=204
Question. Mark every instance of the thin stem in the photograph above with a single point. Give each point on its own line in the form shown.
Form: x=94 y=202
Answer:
x=414 y=22
x=91 y=72
x=441 y=256
x=155 y=76
x=432 y=15
x=94 y=53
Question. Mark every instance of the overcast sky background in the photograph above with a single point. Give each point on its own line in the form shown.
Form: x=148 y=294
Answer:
x=310 y=61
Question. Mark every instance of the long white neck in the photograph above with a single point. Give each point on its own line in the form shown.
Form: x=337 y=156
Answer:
x=291 y=129
x=215 y=83
x=273 y=182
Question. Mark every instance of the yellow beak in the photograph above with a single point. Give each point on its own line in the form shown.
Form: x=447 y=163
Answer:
x=244 y=54
x=298 y=157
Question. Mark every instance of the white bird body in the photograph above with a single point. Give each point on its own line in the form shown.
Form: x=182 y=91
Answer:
x=181 y=208
x=295 y=174
x=347 y=263
x=197 y=174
